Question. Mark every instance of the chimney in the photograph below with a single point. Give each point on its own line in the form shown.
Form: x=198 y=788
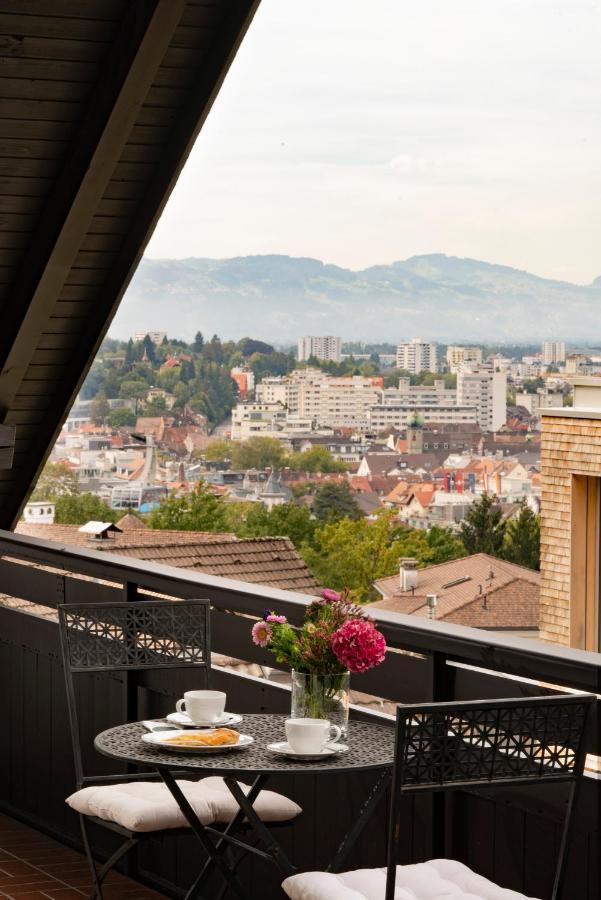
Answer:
x=408 y=573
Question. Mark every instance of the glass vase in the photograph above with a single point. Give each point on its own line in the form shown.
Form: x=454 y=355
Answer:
x=321 y=697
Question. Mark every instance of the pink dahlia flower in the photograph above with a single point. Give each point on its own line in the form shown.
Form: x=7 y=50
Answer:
x=358 y=645
x=261 y=634
x=280 y=620
x=330 y=595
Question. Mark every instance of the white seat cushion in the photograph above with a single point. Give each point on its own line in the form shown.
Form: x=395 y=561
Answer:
x=439 y=879
x=148 y=805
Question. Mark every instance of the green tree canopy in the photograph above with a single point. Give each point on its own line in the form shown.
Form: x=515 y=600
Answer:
x=199 y=342
x=199 y=510
x=99 y=409
x=81 y=508
x=317 y=459
x=57 y=479
x=482 y=530
x=218 y=450
x=334 y=501
x=121 y=418
x=284 y=520
x=522 y=538
x=258 y=453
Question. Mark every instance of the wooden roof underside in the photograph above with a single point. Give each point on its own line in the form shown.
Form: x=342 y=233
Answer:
x=100 y=104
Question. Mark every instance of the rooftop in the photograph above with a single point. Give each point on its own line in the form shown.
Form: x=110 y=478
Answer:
x=479 y=590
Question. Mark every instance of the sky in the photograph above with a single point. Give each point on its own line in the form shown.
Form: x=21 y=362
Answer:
x=360 y=132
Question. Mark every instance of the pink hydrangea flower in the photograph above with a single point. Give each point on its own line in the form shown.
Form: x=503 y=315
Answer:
x=261 y=634
x=358 y=645
x=330 y=595
x=280 y=620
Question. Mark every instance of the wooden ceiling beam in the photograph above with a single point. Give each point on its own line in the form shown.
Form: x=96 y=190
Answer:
x=123 y=84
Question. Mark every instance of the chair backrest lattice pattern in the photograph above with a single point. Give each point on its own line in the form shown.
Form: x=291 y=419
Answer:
x=449 y=746
x=479 y=743
x=130 y=637
x=136 y=635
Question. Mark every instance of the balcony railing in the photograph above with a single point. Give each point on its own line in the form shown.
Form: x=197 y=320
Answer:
x=510 y=836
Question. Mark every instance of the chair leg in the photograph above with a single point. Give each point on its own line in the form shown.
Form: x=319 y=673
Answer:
x=99 y=874
x=96 y=882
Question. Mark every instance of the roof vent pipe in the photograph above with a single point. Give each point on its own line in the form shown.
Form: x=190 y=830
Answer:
x=408 y=573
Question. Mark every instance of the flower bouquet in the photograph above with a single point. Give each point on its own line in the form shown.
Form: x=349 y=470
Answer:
x=336 y=638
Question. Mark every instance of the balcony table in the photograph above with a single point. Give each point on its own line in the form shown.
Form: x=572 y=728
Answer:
x=371 y=747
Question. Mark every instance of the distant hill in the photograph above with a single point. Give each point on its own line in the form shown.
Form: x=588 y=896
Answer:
x=278 y=298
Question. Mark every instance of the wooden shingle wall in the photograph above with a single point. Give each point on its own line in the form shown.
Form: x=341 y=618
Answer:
x=569 y=446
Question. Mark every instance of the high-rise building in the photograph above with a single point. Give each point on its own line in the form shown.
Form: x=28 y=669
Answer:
x=463 y=356
x=157 y=337
x=553 y=352
x=326 y=347
x=486 y=389
x=417 y=356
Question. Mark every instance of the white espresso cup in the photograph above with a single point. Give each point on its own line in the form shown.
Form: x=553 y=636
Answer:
x=310 y=735
x=203 y=707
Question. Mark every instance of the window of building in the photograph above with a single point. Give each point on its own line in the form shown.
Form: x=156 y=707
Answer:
x=586 y=551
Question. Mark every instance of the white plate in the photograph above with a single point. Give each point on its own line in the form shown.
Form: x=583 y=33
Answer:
x=283 y=748
x=161 y=739
x=184 y=720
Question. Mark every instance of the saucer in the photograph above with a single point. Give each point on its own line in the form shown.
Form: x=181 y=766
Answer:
x=283 y=748
x=184 y=720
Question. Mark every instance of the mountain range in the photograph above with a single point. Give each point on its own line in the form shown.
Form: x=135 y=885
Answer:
x=277 y=298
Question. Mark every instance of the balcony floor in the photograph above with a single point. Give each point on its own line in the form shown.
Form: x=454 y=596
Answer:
x=36 y=867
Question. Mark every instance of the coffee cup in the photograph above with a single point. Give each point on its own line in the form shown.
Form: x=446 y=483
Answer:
x=203 y=707
x=310 y=735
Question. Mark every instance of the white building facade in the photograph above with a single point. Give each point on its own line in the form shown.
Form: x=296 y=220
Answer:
x=553 y=352
x=417 y=356
x=326 y=347
x=484 y=388
x=463 y=356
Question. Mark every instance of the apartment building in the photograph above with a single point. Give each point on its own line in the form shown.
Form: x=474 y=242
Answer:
x=325 y=347
x=485 y=389
x=542 y=399
x=417 y=356
x=157 y=337
x=409 y=394
x=463 y=356
x=252 y=419
x=553 y=352
x=396 y=415
x=327 y=400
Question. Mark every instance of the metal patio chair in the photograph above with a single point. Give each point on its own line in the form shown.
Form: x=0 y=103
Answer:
x=450 y=746
x=131 y=637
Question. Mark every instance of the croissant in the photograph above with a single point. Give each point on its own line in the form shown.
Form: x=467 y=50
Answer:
x=211 y=739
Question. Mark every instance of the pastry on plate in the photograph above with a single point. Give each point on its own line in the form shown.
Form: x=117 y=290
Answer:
x=215 y=738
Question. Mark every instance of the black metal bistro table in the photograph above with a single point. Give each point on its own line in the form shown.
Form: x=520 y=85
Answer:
x=371 y=747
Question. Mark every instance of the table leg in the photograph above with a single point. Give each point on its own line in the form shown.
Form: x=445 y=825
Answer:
x=375 y=795
x=274 y=850
x=199 y=830
x=252 y=795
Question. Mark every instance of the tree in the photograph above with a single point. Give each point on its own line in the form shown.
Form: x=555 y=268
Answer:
x=155 y=407
x=284 y=520
x=350 y=554
x=199 y=342
x=99 y=409
x=134 y=389
x=218 y=450
x=57 y=479
x=334 y=501
x=81 y=508
x=130 y=354
x=149 y=349
x=430 y=547
x=522 y=538
x=121 y=418
x=482 y=530
x=258 y=453
x=317 y=459
x=199 y=510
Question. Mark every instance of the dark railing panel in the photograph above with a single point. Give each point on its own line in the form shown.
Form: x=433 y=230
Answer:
x=510 y=838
